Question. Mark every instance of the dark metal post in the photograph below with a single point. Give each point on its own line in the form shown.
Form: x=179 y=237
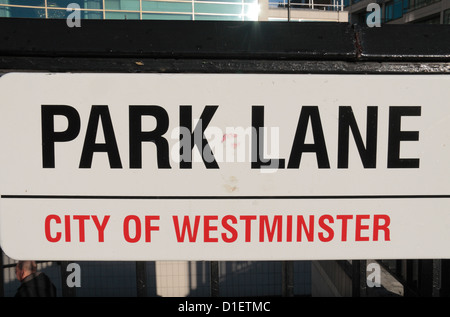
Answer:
x=141 y=278
x=214 y=275
x=359 y=278
x=410 y=284
x=437 y=278
x=444 y=290
x=287 y=275
x=363 y=278
x=355 y=278
x=289 y=10
x=2 y=281
x=426 y=277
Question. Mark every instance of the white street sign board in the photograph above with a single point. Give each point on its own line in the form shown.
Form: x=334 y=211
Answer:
x=224 y=166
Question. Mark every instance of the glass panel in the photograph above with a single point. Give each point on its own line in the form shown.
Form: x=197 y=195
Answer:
x=217 y=18
x=63 y=14
x=4 y=12
x=301 y=4
x=284 y=3
x=57 y=14
x=388 y=12
x=251 y=12
x=122 y=5
x=112 y=4
x=158 y=16
x=92 y=15
x=251 y=8
x=129 y=5
x=62 y=3
x=447 y=16
x=34 y=3
x=166 y=6
x=91 y=4
x=26 y=13
x=94 y=4
x=230 y=1
x=218 y=8
x=405 y=5
x=122 y=15
x=421 y=3
x=395 y=9
x=398 y=9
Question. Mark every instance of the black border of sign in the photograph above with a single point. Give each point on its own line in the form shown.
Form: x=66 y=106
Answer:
x=226 y=197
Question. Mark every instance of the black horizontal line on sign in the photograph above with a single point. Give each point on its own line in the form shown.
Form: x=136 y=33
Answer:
x=225 y=197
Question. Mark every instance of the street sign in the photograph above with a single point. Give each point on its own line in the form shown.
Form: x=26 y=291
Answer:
x=224 y=166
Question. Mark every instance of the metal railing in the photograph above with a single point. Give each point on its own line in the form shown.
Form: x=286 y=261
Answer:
x=331 y=5
x=164 y=279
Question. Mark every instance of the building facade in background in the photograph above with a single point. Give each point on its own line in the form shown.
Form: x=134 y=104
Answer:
x=353 y=11
x=401 y=11
x=225 y=10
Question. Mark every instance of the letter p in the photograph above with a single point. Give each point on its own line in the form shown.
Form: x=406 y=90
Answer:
x=50 y=136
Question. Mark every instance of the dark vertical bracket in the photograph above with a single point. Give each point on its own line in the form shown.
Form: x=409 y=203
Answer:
x=437 y=278
x=444 y=271
x=359 y=282
x=426 y=280
x=214 y=276
x=287 y=273
x=2 y=281
x=141 y=278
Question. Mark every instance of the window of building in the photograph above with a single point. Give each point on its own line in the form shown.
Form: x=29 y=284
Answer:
x=447 y=16
x=64 y=14
x=395 y=9
x=35 y=3
x=132 y=5
x=161 y=16
x=167 y=6
x=122 y=15
x=21 y=12
x=416 y=4
x=433 y=19
x=91 y=4
x=213 y=8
